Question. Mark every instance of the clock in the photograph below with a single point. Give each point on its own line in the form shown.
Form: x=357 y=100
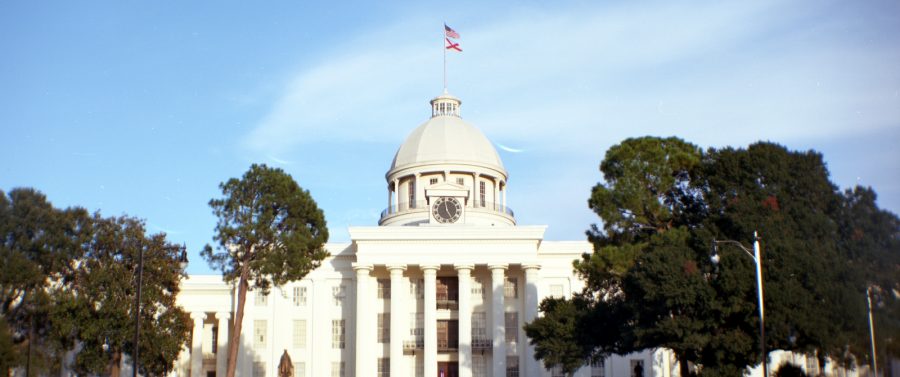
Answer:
x=446 y=210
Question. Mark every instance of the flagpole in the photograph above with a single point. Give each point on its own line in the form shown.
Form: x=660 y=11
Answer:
x=443 y=47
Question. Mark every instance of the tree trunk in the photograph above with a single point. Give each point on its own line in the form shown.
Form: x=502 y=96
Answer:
x=115 y=365
x=235 y=333
x=683 y=368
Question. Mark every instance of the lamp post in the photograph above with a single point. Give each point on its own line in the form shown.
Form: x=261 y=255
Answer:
x=182 y=260
x=755 y=255
x=871 y=330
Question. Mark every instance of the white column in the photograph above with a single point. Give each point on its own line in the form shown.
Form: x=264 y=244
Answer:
x=475 y=189
x=398 y=315
x=396 y=195
x=531 y=308
x=505 y=193
x=196 y=344
x=498 y=321
x=496 y=199
x=365 y=360
x=222 y=343
x=465 y=319
x=420 y=191
x=430 y=273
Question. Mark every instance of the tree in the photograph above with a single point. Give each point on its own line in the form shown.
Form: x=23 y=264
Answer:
x=811 y=296
x=269 y=232
x=67 y=283
x=39 y=245
x=870 y=241
x=650 y=283
x=105 y=288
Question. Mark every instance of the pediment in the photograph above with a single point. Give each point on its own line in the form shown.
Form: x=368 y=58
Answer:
x=447 y=189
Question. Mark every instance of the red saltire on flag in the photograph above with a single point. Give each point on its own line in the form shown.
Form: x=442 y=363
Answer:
x=451 y=45
x=450 y=32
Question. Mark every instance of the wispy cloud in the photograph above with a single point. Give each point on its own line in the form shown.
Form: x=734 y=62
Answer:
x=278 y=160
x=717 y=73
x=509 y=149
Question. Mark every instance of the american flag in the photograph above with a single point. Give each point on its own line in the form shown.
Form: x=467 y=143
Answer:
x=450 y=32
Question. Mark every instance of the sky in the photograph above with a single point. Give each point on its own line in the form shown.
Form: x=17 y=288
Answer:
x=142 y=109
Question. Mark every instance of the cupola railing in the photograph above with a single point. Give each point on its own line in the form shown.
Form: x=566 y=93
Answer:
x=422 y=205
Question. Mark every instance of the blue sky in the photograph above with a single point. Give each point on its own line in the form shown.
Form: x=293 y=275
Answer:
x=142 y=109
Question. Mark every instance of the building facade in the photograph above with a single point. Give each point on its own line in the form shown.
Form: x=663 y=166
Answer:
x=442 y=286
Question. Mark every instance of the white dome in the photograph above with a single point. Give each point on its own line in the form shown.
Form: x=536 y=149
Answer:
x=446 y=138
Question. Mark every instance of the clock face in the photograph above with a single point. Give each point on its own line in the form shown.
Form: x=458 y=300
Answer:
x=446 y=210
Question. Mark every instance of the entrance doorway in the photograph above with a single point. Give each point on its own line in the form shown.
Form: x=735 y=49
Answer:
x=448 y=369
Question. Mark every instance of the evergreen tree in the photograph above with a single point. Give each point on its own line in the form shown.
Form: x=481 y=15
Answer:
x=269 y=232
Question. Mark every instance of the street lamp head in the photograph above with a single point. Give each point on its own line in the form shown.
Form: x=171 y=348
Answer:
x=714 y=257
x=183 y=260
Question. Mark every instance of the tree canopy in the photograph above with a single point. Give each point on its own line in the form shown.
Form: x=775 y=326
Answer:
x=67 y=281
x=650 y=282
x=269 y=231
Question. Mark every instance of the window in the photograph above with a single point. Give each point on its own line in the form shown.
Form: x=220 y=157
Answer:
x=259 y=369
x=460 y=181
x=812 y=366
x=384 y=288
x=300 y=369
x=511 y=288
x=637 y=368
x=337 y=333
x=384 y=367
x=432 y=181
x=598 y=368
x=481 y=193
x=512 y=366
x=447 y=291
x=478 y=288
x=479 y=368
x=299 y=333
x=479 y=325
x=416 y=326
x=215 y=339
x=447 y=335
x=338 y=291
x=259 y=334
x=261 y=299
x=556 y=290
x=512 y=327
x=412 y=193
x=337 y=369
x=299 y=296
x=384 y=327
x=416 y=288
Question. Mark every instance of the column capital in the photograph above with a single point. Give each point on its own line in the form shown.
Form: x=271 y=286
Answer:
x=396 y=267
x=361 y=267
x=531 y=266
x=430 y=267
x=198 y=316
x=464 y=266
x=223 y=316
x=493 y=267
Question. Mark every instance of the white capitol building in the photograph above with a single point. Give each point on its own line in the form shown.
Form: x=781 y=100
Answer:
x=441 y=287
